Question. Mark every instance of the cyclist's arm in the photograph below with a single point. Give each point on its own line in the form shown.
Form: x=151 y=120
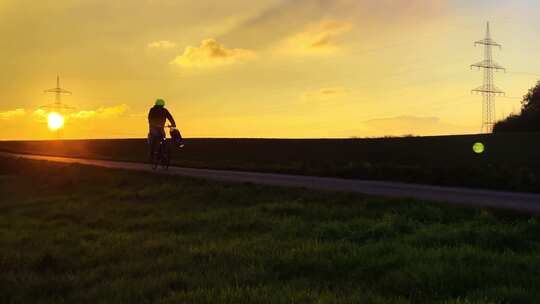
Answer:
x=171 y=119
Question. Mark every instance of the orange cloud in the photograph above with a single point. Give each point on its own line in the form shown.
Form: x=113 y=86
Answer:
x=211 y=54
x=319 y=38
x=162 y=44
x=327 y=92
x=103 y=112
x=416 y=125
x=40 y=113
x=12 y=114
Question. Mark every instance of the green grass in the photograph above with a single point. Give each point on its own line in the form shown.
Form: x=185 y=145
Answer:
x=75 y=234
x=510 y=161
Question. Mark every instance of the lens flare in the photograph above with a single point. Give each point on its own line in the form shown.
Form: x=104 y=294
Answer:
x=479 y=148
x=55 y=121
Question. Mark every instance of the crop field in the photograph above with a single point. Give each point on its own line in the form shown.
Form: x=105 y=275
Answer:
x=77 y=234
x=509 y=162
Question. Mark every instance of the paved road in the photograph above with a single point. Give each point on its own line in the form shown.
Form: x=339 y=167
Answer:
x=459 y=196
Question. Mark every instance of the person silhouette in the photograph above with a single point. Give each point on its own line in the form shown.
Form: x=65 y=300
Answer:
x=157 y=117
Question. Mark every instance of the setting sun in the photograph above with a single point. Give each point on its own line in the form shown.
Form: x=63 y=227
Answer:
x=55 y=121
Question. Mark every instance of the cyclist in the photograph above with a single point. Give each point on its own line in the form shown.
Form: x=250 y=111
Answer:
x=157 y=117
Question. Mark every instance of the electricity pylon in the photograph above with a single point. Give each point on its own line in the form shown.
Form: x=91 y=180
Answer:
x=58 y=91
x=488 y=90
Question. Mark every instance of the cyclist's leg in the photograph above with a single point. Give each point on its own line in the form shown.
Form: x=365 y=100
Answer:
x=164 y=152
x=166 y=146
x=154 y=140
x=150 y=146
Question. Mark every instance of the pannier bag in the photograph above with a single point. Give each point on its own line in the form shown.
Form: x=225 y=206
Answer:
x=176 y=138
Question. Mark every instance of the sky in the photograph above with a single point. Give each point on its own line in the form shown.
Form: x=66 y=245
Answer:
x=266 y=68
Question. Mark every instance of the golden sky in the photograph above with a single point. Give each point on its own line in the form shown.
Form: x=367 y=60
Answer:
x=265 y=68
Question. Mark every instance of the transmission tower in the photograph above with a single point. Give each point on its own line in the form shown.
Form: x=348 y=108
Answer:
x=488 y=90
x=58 y=91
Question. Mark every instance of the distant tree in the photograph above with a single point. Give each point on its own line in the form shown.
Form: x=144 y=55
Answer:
x=529 y=118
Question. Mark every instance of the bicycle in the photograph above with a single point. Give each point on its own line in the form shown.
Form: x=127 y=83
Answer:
x=160 y=152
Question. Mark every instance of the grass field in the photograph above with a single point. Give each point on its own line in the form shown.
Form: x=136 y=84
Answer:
x=75 y=234
x=510 y=161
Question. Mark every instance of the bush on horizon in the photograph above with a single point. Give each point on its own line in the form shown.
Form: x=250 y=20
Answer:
x=529 y=118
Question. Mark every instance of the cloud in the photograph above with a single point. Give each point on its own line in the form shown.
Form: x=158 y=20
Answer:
x=12 y=114
x=103 y=112
x=371 y=17
x=417 y=125
x=326 y=92
x=162 y=44
x=39 y=114
x=318 y=38
x=211 y=54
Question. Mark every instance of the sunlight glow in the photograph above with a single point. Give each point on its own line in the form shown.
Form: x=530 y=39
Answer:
x=55 y=121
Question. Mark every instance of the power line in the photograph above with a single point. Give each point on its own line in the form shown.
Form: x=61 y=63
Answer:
x=524 y=73
x=512 y=97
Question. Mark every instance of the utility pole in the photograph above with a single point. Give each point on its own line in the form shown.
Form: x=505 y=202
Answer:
x=488 y=90
x=57 y=106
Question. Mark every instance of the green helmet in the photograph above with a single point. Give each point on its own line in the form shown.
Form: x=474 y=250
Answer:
x=160 y=102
